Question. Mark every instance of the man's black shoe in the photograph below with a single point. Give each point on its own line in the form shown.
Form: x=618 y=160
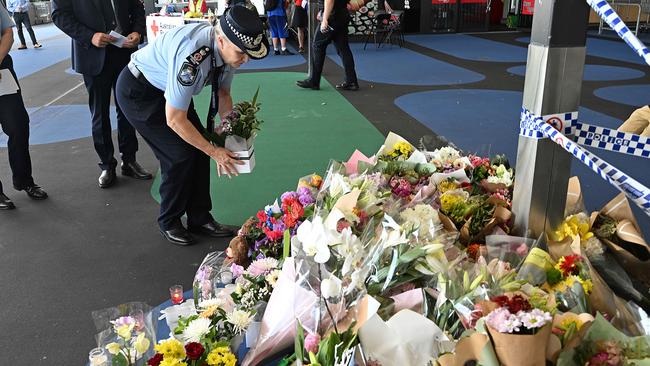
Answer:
x=287 y=53
x=307 y=84
x=35 y=192
x=178 y=236
x=134 y=170
x=213 y=229
x=348 y=86
x=276 y=52
x=107 y=178
x=5 y=203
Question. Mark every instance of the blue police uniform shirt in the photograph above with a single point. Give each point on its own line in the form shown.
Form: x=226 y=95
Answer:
x=5 y=20
x=166 y=64
x=20 y=6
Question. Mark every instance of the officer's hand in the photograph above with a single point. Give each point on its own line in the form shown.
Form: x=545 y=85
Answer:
x=226 y=161
x=132 y=40
x=102 y=40
x=324 y=26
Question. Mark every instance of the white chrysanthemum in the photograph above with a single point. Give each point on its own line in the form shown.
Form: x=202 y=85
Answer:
x=502 y=175
x=272 y=278
x=422 y=217
x=262 y=266
x=240 y=320
x=446 y=155
x=196 y=329
x=206 y=304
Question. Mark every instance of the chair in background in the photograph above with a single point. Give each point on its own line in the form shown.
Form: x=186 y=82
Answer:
x=385 y=26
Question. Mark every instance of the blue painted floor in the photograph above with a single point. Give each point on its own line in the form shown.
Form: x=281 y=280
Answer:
x=401 y=66
x=59 y=123
x=634 y=95
x=30 y=61
x=613 y=50
x=595 y=72
x=470 y=120
x=273 y=62
x=470 y=48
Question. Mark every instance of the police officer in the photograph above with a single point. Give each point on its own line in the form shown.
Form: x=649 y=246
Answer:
x=15 y=122
x=155 y=91
x=334 y=19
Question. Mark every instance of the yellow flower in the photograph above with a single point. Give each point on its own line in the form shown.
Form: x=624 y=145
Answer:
x=449 y=200
x=113 y=348
x=141 y=344
x=221 y=356
x=172 y=362
x=447 y=185
x=572 y=319
x=572 y=226
x=316 y=181
x=209 y=312
x=170 y=348
x=124 y=331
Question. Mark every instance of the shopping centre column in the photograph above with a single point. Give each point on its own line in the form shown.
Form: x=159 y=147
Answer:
x=556 y=59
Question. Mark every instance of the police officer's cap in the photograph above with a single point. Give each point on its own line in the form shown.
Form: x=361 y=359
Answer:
x=243 y=27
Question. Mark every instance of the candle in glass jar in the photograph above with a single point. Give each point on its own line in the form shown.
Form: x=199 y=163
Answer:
x=97 y=357
x=176 y=293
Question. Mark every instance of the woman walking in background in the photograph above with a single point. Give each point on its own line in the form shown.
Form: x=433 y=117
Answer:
x=299 y=21
x=20 y=11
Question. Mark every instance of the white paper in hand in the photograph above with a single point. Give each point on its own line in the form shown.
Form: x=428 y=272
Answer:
x=119 y=39
x=8 y=84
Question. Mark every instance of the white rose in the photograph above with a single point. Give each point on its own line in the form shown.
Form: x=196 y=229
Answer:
x=330 y=288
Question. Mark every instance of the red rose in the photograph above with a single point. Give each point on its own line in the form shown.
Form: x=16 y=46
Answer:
x=262 y=216
x=155 y=360
x=502 y=300
x=293 y=211
x=519 y=303
x=194 y=350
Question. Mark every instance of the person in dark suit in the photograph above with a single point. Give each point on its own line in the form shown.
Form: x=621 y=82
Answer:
x=88 y=23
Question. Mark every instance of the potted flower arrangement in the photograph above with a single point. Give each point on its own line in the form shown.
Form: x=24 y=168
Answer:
x=237 y=132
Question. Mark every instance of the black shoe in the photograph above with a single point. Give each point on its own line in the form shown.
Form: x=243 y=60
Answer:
x=348 y=86
x=276 y=52
x=134 y=170
x=35 y=192
x=107 y=178
x=287 y=53
x=178 y=236
x=307 y=84
x=301 y=50
x=5 y=203
x=213 y=229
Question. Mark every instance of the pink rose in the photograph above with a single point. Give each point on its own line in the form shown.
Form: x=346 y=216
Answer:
x=311 y=342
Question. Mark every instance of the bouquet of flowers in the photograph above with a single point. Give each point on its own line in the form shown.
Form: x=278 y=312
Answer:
x=237 y=132
x=172 y=352
x=519 y=330
x=570 y=281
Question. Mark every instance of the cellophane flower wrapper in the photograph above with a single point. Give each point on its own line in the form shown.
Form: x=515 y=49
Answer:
x=211 y=275
x=106 y=333
x=636 y=349
x=511 y=249
x=288 y=301
x=350 y=263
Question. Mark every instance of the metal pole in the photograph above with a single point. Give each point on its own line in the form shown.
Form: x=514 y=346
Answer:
x=556 y=59
x=312 y=23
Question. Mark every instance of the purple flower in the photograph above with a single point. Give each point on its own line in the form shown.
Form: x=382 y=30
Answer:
x=123 y=320
x=304 y=196
x=287 y=195
x=262 y=266
x=236 y=270
x=279 y=226
x=260 y=243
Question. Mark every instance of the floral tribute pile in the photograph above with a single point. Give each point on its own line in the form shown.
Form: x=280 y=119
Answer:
x=407 y=258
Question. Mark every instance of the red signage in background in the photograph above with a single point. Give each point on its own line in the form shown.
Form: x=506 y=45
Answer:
x=442 y=2
x=528 y=7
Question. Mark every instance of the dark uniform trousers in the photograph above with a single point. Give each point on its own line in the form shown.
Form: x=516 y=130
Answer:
x=15 y=124
x=99 y=99
x=20 y=19
x=185 y=170
x=338 y=35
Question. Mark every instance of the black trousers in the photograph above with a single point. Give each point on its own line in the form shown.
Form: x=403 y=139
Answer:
x=338 y=35
x=20 y=19
x=185 y=170
x=15 y=123
x=99 y=99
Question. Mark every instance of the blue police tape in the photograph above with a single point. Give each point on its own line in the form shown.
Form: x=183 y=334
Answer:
x=612 y=140
x=634 y=190
x=616 y=23
x=586 y=134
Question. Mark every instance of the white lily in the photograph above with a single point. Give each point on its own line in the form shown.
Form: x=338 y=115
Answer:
x=391 y=238
x=313 y=238
x=330 y=288
x=338 y=186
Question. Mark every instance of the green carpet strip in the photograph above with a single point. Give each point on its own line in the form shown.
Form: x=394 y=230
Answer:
x=302 y=131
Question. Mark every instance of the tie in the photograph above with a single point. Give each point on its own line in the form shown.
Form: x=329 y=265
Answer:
x=109 y=15
x=214 y=100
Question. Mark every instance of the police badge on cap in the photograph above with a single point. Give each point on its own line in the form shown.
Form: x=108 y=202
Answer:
x=243 y=27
